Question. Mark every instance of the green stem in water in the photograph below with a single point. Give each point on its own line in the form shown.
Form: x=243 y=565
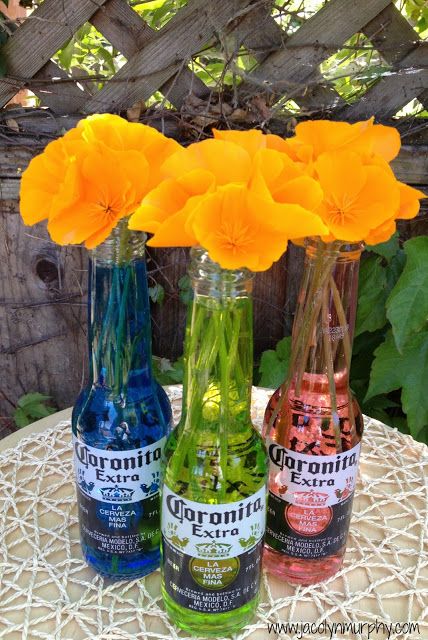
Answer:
x=121 y=323
x=343 y=322
x=329 y=365
x=307 y=319
x=347 y=347
x=224 y=414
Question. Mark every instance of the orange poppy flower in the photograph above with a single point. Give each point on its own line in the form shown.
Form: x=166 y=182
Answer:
x=409 y=201
x=102 y=191
x=357 y=197
x=315 y=137
x=166 y=209
x=189 y=174
x=106 y=131
x=381 y=233
x=255 y=140
x=81 y=205
x=284 y=181
x=41 y=181
x=408 y=208
x=281 y=193
x=225 y=224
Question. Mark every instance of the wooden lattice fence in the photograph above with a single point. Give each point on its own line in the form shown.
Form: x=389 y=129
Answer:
x=42 y=310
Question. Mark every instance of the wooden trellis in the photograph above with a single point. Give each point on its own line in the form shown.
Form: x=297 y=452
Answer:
x=159 y=59
x=41 y=308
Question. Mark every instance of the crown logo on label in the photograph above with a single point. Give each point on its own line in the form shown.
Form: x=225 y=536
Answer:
x=117 y=494
x=310 y=498
x=213 y=549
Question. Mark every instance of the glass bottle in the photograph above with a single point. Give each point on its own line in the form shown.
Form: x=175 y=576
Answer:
x=214 y=491
x=313 y=424
x=121 y=418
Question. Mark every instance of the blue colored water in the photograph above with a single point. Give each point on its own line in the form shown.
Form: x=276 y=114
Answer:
x=122 y=408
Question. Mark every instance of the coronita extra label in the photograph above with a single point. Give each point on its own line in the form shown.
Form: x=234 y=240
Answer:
x=310 y=501
x=212 y=552
x=117 y=492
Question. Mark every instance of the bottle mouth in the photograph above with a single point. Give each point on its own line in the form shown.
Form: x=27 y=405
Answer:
x=337 y=248
x=209 y=277
x=121 y=246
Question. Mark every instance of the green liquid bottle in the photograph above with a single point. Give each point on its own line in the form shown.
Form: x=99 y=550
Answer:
x=214 y=493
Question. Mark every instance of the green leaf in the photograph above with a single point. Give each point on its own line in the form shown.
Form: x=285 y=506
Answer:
x=167 y=372
x=40 y=411
x=65 y=55
x=272 y=370
x=274 y=365
x=31 y=399
x=157 y=293
x=21 y=418
x=185 y=287
x=372 y=295
x=149 y=6
x=407 y=305
x=375 y=407
x=407 y=370
x=108 y=58
x=395 y=269
x=283 y=349
x=386 y=249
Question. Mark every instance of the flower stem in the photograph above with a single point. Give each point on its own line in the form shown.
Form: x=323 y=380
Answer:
x=307 y=319
x=329 y=365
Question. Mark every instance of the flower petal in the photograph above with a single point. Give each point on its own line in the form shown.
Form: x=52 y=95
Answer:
x=409 y=201
x=381 y=233
x=302 y=190
x=290 y=220
x=227 y=161
x=251 y=140
x=341 y=175
x=223 y=223
x=172 y=232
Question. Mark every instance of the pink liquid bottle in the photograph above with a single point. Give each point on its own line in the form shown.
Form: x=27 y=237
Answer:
x=313 y=425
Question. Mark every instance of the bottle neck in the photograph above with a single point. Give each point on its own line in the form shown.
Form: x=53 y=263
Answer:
x=119 y=316
x=325 y=317
x=218 y=347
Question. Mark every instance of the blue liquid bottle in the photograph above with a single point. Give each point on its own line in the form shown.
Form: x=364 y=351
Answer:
x=121 y=418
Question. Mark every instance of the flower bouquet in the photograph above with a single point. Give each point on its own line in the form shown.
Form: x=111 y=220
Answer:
x=85 y=185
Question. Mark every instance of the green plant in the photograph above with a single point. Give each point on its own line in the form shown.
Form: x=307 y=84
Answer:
x=274 y=364
x=389 y=373
x=30 y=407
x=167 y=372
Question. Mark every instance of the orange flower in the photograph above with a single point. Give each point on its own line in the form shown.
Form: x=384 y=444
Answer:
x=166 y=209
x=84 y=202
x=278 y=179
x=106 y=131
x=316 y=137
x=357 y=197
x=408 y=208
x=409 y=201
x=381 y=233
x=225 y=224
x=102 y=191
x=41 y=181
x=255 y=140
x=280 y=199
x=189 y=174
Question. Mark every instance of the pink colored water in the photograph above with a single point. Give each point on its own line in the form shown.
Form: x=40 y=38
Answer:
x=305 y=425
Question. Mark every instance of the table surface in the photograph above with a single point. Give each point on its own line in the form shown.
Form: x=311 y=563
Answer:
x=47 y=591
